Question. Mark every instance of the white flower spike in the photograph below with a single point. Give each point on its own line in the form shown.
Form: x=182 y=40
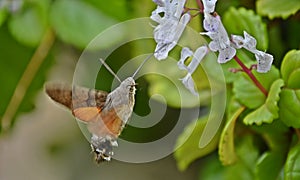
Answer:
x=170 y=27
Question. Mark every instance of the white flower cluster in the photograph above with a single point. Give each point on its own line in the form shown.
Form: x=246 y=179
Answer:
x=172 y=24
x=264 y=60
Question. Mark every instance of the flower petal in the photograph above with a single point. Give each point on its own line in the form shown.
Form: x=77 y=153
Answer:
x=264 y=61
x=249 y=42
x=168 y=34
x=160 y=3
x=185 y=53
x=188 y=82
x=237 y=41
x=209 y=5
x=162 y=50
x=198 y=56
x=213 y=46
x=226 y=54
x=181 y=26
x=180 y=7
x=211 y=23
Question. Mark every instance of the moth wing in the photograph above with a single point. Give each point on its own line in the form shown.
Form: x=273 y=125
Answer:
x=60 y=93
x=100 y=122
x=87 y=114
x=83 y=100
x=85 y=97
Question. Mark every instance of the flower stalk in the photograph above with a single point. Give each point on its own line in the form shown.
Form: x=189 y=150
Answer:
x=251 y=75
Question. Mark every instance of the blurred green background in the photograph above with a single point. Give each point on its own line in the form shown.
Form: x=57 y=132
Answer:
x=42 y=40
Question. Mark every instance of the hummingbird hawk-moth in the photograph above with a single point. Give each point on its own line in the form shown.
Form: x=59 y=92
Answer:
x=105 y=114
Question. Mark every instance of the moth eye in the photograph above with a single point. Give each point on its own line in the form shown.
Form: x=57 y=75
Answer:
x=131 y=88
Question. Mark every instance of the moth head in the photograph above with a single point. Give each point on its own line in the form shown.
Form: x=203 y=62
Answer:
x=129 y=84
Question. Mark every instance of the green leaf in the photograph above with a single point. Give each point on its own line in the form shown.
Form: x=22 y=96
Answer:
x=117 y=8
x=248 y=153
x=3 y=15
x=29 y=25
x=276 y=135
x=246 y=91
x=77 y=22
x=226 y=143
x=189 y=144
x=289 y=106
x=292 y=166
x=294 y=79
x=269 y=110
x=269 y=165
x=290 y=69
x=212 y=169
x=278 y=8
x=238 y=20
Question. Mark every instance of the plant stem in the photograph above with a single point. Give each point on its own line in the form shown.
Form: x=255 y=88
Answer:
x=32 y=68
x=252 y=77
x=200 y=5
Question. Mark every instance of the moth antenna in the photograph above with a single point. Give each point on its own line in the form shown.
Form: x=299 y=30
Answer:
x=110 y=70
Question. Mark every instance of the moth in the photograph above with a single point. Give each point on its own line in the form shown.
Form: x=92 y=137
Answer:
x=105 y=114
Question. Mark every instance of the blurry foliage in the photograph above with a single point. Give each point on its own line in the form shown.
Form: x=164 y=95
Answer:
x=28 y=29
x=260 y=135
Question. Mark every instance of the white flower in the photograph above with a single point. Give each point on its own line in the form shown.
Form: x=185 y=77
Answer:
x=264 y=60
x=209 y=5
x=185 y=53
x=197 y=57
x=220 y=40
x=226 y=54
x=170 y=26
x=159 y=2
x=211 y=23
x=248 y=42
x=189 y=83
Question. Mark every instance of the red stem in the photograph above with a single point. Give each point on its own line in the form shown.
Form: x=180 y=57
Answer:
x=252 y=77
x=200 y=5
